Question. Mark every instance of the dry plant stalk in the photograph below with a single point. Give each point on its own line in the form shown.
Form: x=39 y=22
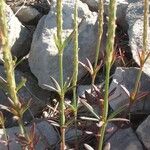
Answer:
x=109 y=60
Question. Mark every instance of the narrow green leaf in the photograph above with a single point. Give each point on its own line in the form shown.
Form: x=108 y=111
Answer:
x=18 y=62
x=89 y=118
x=56 y=42
x=86 y=67
x=90 y=65
x=55 y=83
x=25 y=106
x=118 y=119
x=90 y=108
x=118 y=111
x=21 y=84
x=88 y=147
x=51 y=88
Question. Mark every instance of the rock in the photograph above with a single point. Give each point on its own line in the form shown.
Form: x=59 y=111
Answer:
x=91 y=97
x=124 y=78
x=124 y=139
x=44 y=130
x=19 y=36
x=143 y=132
x=134 y=17
x=43 y=58
x=92 y=4
x=71 y=134
x=82 y=88
x=31 y=91
x=121 y=10
x=26 y=14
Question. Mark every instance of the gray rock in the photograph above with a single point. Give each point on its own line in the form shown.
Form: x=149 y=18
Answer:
x=93 y=4
x=19 y=36
x=43 y=58
x=31 y=91
x=26 y=14
x=124 y=139
x=82 y=88
x=134 y=17
x=121 y=10
x=44 y=130
x=143 y=132
x=124 y=80
x=71 y=134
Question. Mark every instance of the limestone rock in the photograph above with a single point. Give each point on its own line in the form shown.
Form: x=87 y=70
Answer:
x=143 y=132
x=124 y=139
x=26 y=14
x=121 y=10
x=43 y=58
x=44 y=130
x=19 y=36
x=124 y=82
x=134 y=17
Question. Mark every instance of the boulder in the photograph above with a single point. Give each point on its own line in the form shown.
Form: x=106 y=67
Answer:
x=123 y=139
x=143 y=132
x=121 y=10
x=134 y=17
x=124 y=82
x=31 y=91
x=26 y=14
x=43 y=57
x=44 y=130
x=19 y=36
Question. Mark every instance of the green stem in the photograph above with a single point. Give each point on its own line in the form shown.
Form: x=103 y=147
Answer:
x=59 y=21
x=100 y=32
x=143 y=54
x=109 y=58
x=75 y=54
x=8 y=61
x=62 y=122
x=60 y=52
x=145 y=24
x=75 y=68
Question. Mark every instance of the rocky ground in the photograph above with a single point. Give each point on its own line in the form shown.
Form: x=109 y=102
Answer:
x=32 y=25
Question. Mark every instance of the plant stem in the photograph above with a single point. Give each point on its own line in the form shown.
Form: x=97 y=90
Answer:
x=75 y=58
x=145 y=24
x=60 y=51
x=59 y=22
x=8 y=61
x=62 y=122
x=143 y=54
x=75 y=67
x=100 y=32
x=109 y=58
